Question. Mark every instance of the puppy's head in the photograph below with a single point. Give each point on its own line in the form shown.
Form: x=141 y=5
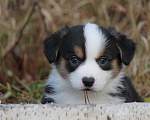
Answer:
x=88 y=56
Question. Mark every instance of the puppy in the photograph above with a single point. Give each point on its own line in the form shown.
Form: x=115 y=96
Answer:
x=88 y=59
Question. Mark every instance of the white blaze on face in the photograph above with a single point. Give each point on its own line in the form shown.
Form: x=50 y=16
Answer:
x=94 y=40
x=94 y=44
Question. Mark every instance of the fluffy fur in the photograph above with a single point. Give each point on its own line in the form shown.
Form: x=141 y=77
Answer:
x=88 y=57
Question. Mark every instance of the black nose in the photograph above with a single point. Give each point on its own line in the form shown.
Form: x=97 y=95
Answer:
x=88 y=81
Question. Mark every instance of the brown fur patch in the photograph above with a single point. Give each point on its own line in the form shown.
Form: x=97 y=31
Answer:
x=116 y=69
x=100 y=54
x=62 y=69
x=79 y=52
x=119 y=51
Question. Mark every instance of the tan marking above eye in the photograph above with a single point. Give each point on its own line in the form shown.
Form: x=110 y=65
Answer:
x=100 y=54
x=79 y=52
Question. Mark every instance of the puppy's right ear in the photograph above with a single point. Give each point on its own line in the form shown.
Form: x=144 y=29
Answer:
x=51 y=44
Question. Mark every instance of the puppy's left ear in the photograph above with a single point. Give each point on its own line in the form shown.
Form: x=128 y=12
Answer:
x=52 y=43
x=126 y=46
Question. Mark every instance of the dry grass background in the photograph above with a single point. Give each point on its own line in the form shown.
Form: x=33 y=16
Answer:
x=25 y=23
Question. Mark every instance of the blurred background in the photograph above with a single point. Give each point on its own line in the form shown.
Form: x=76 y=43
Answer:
x=25 y=23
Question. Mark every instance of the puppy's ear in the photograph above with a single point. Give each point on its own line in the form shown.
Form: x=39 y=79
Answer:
x=126 y=46
x=51 y=44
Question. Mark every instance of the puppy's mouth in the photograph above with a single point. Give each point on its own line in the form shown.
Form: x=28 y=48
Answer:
x=90 y=90
x=87 y=89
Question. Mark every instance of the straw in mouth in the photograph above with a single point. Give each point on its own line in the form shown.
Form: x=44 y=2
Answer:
x=86 y=98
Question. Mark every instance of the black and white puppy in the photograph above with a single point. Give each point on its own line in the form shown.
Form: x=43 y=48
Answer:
x=88 y=58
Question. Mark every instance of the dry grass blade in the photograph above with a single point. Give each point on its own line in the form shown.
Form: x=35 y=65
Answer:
x=145 y=43
x=86 y=97
x=16 y=41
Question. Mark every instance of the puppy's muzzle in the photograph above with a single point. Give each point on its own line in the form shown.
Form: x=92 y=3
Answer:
x=88 y=81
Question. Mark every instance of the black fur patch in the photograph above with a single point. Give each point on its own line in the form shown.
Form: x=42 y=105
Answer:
x=51 y=44
x=47 y=100
x=66 y=50
x=49 y=89
x=111 y=50
x=127 y=46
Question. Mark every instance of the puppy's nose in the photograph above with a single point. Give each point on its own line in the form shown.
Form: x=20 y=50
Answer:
x=88 y=81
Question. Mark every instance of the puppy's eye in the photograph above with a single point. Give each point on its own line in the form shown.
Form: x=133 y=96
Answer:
x=102 y=60
x=74 y=60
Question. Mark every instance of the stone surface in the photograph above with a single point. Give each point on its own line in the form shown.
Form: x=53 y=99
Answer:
x=126 y=111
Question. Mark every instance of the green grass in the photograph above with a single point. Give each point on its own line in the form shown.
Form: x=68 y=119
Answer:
x=30 y=93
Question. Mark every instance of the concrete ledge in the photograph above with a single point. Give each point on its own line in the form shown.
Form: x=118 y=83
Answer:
x=126 y=111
